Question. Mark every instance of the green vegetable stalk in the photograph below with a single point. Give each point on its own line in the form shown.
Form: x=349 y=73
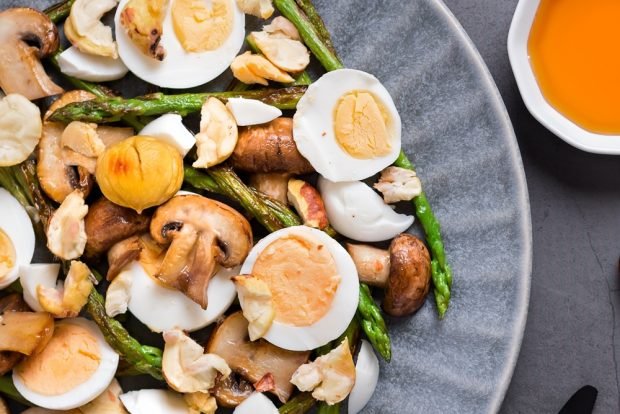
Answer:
x=59 y=11
x=317 y=38
x=371 y=320
x=112 y=109
x=300 y=404
x=8 y=388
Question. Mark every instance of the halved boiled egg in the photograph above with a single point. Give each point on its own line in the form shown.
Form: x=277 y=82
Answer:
x=170 y=129
x=74 y=368
x=17 y=238
x=257 y=403
x=154 y=401
x=34 y=275
x=313 y=282
x=174 y=310
x=347 y=126
x=89 y=67
x=199 y=39
x=366 y=378
x=357 y=212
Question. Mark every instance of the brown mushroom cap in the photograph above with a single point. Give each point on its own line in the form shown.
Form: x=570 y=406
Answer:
x=200 y=233
x=20 y=69
x=410 y=276
x=231 y=391
x=107 y=224
x=254 y=360
x=269 y=148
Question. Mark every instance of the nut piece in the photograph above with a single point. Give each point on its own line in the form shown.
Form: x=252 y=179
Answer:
x=68 y=300
x=218 y=134
x=308 y=202
x=275 y=185
x=410 y=276
x=330 y=377
x=143 y=21
x=269 y=148
x=118 y=295
x=200 y=233
x=200 y=403
x=20 y=129
x=282 y=27
x=85 y=31
x=257 y=305
x=250 y=69
x=259 y=8
x=140 y=172
x=398 y=184
x=81 y=145
x=287 y=54
x=20 y=69
x=185 y=366
x=66 y=236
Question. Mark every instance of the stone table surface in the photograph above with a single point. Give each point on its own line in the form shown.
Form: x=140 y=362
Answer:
x=572 y=328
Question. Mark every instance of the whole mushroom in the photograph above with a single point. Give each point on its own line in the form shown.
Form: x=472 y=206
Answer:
x=201 y=233
x=404 y=271
x=26 y=35
x=269 y=148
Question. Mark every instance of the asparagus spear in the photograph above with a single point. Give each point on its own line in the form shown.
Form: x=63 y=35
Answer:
x=300 y=404
x=440 y=270
x=59 y=11
x=317 y=22
x=372 y=323
x=112 y=109
x=317 y=38
x=8 y=388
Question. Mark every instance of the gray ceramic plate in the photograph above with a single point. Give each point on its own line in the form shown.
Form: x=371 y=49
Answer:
x=457 y=130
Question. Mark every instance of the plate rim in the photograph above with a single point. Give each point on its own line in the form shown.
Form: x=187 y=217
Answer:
x=524 y=282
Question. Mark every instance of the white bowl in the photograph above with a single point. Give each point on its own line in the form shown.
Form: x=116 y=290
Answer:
x=533 y=97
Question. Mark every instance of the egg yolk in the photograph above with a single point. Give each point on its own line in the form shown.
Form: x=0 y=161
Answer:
x=7 y=254
x=70 y=358
x=202 y=25
x=302 y=277
x=360 y=125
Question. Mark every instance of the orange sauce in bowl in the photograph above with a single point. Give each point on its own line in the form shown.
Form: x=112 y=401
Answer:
x=574 y=49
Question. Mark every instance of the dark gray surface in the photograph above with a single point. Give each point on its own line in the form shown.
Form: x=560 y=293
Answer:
x=571 y=333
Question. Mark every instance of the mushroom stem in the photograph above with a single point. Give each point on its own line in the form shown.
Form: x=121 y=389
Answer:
x=373 y=264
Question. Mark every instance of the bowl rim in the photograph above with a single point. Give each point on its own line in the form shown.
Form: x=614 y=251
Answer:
x=531 y=93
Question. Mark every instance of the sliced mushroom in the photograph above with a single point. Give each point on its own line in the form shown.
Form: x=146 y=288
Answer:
x=4 y=409
x=201 y=233
x=57 y=179
x=404 y=271
x=269 y=148
x=232 y=390
x=25 y=332
x=275 y=185
x=254 y=360
x=282 y=27
x=11 y=303
x=121 y=254
x=20 y=69
x=107 y=224
x=81 y=145
x=286 y=54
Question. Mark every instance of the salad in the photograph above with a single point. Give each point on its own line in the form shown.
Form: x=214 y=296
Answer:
x=243 y=249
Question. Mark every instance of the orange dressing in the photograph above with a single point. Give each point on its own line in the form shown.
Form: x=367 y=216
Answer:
x=574 y=49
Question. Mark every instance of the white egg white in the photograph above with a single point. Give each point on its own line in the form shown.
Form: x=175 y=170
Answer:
x=251 y=111
x=356 y=211
x=179 y=69
x=89 y=67
x=366 y=378
x=161 y=308
x=34 y=275
x=16 y=224
x=344 y=304
x=86 y=391
x=257 y=403
x=313 y=126
x=170 y=129
x=148 y=401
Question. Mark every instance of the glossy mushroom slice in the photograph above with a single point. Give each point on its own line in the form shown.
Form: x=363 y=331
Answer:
x=20 y=69
x=269 y=148
x=11 y=303
x=201 y=233
x=255 y=360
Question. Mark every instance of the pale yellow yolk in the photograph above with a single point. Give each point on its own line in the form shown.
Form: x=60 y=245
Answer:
x=70 y=358
x=360 y=125
x=7 y=254
x=302 y=277
x=200 y=28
